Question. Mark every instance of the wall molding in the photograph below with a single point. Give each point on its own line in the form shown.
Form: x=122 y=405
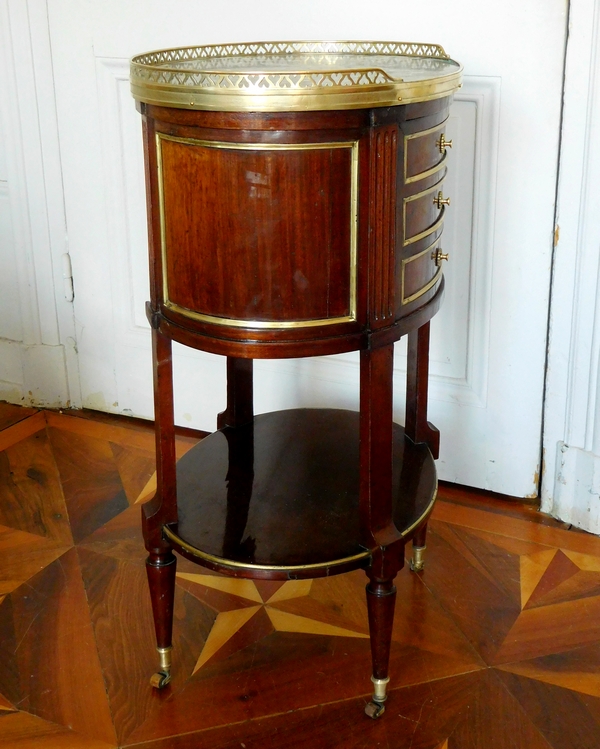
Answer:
x=576 y=497
x=483 y=92
x=122 y=151
x=572 y=418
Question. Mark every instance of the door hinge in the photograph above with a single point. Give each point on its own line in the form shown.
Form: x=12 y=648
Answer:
x=67 y=277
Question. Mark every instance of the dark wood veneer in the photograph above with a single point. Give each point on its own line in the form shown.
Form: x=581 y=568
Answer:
x=254 y=259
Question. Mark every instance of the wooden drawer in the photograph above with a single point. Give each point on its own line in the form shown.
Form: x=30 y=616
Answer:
x=423 y=153
x=420 y=273
x=423 y=213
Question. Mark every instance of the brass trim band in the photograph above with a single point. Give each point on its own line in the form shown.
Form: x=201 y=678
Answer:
x=388 y=95
x=264 y=324
x=256 y=324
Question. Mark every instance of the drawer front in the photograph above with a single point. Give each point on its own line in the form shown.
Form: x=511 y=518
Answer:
x=256 y=235
x=424 y=153
x=423 y=213
x=420 y=272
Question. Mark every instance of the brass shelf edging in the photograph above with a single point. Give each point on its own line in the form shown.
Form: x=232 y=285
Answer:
x=170 y=535
x=353 y=252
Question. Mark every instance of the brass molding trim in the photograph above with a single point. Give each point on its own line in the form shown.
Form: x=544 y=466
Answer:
x=427 y=512
x=436 y=224
x=432 y=282
x=417 y=195
x=170 y=535
x=428 y=172
x=265 y=324
x=433 y=228
x=294 y=75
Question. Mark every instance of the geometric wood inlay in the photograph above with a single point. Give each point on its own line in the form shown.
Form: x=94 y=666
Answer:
x=560 y=569
x=22 y=429
x=226 y=625
x=4 y=703
x=241 y=588
x=230 y=621
x=148 y=491
x=533 y=567
x=578 y=670
x=286 y=622
x=495 y=644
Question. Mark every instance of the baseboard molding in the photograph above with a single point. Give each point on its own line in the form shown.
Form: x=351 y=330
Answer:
x=577 y=488
x=33 y=375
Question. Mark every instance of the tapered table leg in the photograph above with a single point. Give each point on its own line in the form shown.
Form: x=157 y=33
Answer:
x=161 y=579
x=381 y=600
x=162 y=509
x=376 y=439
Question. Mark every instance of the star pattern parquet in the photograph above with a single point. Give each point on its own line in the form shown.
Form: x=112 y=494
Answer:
x=495 y=645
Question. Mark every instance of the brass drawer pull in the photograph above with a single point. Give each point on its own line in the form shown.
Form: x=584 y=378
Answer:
x=440 y=200
x=438 y=256
x=443 y=144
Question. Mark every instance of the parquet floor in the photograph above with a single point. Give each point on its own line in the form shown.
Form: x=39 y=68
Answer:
x=495 y=646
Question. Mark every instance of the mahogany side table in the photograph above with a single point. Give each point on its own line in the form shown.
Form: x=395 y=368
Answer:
x=296 y=205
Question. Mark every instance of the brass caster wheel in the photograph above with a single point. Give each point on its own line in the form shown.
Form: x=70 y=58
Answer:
x=374 y=709
x=160 y=679
x=417 y=563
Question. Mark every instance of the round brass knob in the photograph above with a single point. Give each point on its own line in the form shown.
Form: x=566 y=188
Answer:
x=439 y=256
x=443 y=144
x=440 y=200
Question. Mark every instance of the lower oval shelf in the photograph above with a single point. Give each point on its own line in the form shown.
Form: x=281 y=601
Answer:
x=278 y=498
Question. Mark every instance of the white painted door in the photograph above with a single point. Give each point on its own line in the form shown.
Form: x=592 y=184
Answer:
x=489 y=340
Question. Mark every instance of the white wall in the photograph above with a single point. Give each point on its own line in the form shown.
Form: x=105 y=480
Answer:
x=571 y=482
